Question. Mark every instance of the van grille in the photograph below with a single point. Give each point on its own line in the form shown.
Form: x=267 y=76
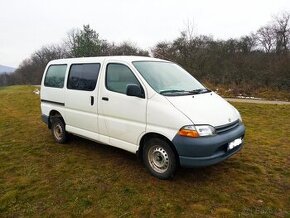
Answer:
x=226 y=127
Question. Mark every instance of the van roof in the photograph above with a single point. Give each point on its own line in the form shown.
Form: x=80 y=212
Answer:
x=103 y=58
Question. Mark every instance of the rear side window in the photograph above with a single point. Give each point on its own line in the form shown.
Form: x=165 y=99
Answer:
x=55 y=76
x=118 y=76
x=83 y=76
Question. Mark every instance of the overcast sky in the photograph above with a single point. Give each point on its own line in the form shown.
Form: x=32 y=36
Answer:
x=27 y=25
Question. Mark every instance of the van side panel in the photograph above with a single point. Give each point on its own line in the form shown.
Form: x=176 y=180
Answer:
x=55 y=96
x=46 y=108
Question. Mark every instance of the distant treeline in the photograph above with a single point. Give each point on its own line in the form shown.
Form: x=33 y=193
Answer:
x=258 y=60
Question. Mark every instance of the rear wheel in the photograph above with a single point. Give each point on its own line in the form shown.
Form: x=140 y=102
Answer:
x=159 y=158
x=58 y=130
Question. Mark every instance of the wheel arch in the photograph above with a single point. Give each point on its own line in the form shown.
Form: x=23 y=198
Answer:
x=54 y=113
x=150 y=135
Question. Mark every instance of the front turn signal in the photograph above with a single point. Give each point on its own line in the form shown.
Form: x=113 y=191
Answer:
x=188 y=131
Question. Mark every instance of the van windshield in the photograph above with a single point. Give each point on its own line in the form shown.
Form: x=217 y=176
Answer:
x=168 y=78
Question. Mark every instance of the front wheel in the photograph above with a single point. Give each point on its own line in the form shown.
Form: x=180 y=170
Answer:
x=159 y=158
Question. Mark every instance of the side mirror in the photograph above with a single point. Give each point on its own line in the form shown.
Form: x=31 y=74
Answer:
x=134 y=90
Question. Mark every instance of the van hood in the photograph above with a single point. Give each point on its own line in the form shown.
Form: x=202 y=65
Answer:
x=207 y=108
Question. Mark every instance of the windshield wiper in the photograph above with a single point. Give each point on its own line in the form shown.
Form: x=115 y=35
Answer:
x=172 y=91
x=195 y=91
x=199 y=91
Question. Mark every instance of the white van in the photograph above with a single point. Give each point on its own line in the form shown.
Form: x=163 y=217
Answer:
x=147 y=106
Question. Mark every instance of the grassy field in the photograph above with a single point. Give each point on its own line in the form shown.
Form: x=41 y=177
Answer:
x=40 y=178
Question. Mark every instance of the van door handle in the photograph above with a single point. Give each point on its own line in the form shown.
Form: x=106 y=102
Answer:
x=105 y=98
x=92 y=100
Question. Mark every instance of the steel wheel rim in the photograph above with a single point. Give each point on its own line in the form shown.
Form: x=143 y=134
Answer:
x=158 y=159
x=58 y=131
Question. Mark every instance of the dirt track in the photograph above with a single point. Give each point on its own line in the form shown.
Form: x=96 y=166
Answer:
x=257 y=101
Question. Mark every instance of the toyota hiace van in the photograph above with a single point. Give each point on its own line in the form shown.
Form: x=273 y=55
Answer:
x=147 y=106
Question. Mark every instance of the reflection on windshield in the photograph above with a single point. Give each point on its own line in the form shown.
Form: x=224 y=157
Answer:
x=168 y=78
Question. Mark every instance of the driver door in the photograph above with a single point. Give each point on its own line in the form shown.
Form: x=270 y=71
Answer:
x=123 y=116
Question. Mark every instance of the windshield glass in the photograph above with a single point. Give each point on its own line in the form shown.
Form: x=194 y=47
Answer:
x=168 y=78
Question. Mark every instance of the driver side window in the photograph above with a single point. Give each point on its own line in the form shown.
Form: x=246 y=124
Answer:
x=118 y=76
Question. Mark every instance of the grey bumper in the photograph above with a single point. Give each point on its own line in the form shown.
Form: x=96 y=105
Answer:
x=205 y=151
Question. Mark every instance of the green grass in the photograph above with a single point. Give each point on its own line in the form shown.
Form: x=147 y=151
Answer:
x=41 y=178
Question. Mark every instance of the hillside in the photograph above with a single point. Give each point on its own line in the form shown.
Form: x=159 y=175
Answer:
x=6 y=69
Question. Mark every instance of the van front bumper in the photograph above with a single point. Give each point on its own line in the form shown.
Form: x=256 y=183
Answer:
x=209 y=150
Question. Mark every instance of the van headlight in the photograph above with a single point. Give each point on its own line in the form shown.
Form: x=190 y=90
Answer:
x=195 y=131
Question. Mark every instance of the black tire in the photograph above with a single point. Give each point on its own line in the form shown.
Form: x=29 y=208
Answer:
x=58 y=130
x=159 y=158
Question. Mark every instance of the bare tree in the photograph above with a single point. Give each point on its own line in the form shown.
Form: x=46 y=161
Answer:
x=189 y=30
x=70 y=42
x=266 y=37
x=282 y=31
